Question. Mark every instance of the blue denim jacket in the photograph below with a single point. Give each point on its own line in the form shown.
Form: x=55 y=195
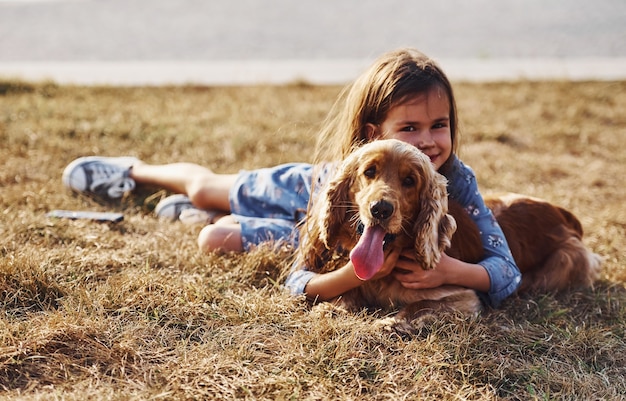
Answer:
x=504 y=274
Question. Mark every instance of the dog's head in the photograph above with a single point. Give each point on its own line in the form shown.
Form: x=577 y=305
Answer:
x=393 y=192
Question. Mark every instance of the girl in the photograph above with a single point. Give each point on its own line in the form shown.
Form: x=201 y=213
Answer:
x=403 y=95
x=406 y=96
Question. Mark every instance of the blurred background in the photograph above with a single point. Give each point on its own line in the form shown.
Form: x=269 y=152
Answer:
x=321 y=41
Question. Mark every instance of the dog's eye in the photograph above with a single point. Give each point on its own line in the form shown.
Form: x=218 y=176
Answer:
x=370 y=172
x=408 y=181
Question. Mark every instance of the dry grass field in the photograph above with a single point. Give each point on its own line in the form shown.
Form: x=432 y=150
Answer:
x=132 y=311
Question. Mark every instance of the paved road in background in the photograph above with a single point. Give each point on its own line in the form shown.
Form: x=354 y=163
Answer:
x=239 y=36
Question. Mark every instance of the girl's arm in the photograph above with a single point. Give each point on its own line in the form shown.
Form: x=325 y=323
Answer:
x=326 y=286
x=329 y=285
x=448 y=271
x=496 y=276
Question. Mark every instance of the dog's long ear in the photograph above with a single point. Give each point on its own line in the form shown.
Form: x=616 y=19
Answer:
x=334 y=203
x=326 y=215
x=433 y=226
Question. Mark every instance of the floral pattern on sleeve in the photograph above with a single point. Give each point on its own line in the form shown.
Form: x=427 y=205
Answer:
x=503 y=272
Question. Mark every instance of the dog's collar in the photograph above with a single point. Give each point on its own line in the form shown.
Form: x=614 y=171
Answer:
x=388 y=237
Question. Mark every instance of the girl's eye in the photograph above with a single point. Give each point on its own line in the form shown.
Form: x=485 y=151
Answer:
x=408 y=181
x=409 y=128
x=440 y=125
x=370 y=172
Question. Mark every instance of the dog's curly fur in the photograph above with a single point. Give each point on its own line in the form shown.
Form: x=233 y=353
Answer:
x=546 y=240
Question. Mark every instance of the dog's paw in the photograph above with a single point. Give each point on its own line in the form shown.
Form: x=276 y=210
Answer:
x=328 y=309
x=399 y=326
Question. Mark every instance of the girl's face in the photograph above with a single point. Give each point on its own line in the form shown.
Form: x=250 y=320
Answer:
x=422 y=121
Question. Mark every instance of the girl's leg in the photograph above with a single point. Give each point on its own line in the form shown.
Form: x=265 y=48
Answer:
x=205 y=189
x=112 y=177
x=223 y=236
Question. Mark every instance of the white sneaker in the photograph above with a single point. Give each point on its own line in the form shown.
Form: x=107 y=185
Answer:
x=106 y=177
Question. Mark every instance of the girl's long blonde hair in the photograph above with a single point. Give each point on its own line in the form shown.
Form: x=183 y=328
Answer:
x=393 y=78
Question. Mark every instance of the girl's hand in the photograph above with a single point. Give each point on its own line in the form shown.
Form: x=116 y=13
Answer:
x=392 y=256
x=411 y=275
x=448 y=271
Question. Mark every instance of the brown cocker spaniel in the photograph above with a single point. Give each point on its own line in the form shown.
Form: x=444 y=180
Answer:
x=387 y=194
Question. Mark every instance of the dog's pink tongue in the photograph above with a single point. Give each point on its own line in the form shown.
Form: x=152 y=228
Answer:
x=367 y=256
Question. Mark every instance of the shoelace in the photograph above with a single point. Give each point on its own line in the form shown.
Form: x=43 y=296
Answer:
x=110 y=180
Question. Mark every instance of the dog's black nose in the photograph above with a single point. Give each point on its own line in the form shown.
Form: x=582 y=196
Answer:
x=381 y=210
